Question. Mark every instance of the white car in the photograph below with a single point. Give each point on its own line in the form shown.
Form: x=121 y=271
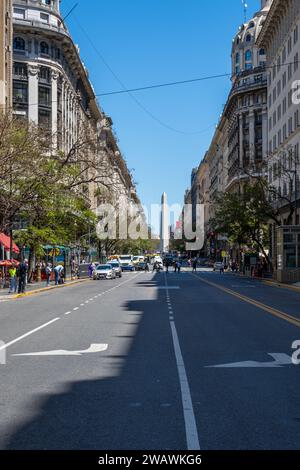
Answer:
x=218 y=265
x=104 y=271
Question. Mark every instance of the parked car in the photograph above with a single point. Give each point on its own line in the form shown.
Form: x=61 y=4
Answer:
x=117 y=268
x=104 y=271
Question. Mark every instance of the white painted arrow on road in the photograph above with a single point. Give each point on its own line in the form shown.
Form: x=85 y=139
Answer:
x=94 y=348
x=280 y=360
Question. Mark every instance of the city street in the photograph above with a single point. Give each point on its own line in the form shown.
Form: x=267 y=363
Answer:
x=130 y=364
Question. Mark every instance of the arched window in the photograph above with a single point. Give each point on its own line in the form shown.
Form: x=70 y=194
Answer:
x=248 y=55
x=19 y=44
x=44 y=48
x=251 y=25
x=262 y=51
x=237 y=58
x=248 y=38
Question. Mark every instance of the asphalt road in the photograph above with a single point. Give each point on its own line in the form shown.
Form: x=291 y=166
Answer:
x=130 y=364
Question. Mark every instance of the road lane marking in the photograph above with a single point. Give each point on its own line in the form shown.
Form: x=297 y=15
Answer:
x=280 y=360
x=76 y=308
x=273 y=311
x=67 y=313
x=191 y=431
x=28 y=334
x=93 y=349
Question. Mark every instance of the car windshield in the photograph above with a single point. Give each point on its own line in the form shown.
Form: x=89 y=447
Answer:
x=115 y=265
x=125 y=258
x=103 y=267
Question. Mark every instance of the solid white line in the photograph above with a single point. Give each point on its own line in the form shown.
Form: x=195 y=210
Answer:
x=191 y=431
x=28 y=334
x=188 y=411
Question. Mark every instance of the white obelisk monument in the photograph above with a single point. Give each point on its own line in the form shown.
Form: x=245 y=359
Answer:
x=164 y=225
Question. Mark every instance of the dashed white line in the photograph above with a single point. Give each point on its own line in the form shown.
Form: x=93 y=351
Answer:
x=188 y=410
x=67 y=313
x=76 y=308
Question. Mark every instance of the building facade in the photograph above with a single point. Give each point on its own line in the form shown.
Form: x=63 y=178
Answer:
x=51 y=88
x=5 y=55
x=246 y=107
x=280 y=36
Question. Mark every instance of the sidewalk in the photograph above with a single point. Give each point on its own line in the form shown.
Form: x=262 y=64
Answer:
x=36 y=288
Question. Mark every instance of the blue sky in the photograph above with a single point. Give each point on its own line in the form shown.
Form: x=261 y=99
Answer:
x=145 y=42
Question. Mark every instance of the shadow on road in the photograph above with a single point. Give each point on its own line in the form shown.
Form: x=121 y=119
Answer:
x=138 y=409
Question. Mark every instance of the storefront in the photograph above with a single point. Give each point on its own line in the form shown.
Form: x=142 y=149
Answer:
x=5 y=246
x=288 y=253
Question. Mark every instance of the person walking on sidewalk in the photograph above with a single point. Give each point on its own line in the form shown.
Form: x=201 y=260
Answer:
x=12 y=272
x=48 y=273
x=195 y=265
x=23 y=268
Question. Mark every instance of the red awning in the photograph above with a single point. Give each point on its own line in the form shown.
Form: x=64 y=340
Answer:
x=5 y=241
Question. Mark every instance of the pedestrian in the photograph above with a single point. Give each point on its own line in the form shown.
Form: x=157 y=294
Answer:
x=147 y=266
x=178 y=266
x=222 y=267
x=48 y=273
x=12 y=272
x=91 y=269
x=22 y=274
x=195 y=265
x=58 y=273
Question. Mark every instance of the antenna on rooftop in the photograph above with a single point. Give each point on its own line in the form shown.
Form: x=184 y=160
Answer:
x=245 y=5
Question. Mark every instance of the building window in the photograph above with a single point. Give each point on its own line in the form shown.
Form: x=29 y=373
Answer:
x=284 y=80
x=251 y=25
x=279 y=88
x=248 y=38
x=296 y=62
x=290 y=71
x=284 y=55
x=262 y=52
x=284 y=132
x=45 y=74
x=44 y=96
x=289 y=45
x=44 y=48
x=279 y=137
x=248 y=55
x=296 y=35
x=284 y=106
x=20 y=70
x=19 y=13
x=279 y=112
x=44 y=18
x=20 y=93
x=19 y=44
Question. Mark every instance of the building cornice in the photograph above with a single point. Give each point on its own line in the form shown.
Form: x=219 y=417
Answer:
x=71 y=53
x=277 y=11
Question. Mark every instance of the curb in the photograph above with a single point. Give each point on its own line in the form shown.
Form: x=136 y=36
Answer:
x=44 y=289
x=282 y=285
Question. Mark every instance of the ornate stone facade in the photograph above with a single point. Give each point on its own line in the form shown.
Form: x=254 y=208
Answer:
x=5 y=55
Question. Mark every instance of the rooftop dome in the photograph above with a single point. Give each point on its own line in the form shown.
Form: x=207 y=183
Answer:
x=245 y=54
